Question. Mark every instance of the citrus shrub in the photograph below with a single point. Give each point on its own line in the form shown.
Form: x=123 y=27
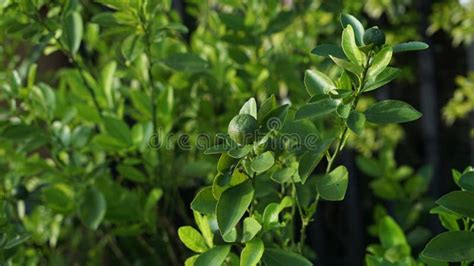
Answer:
x=265 y=194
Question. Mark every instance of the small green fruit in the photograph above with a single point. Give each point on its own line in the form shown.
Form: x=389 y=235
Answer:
x=242 y=128
x=374 y=36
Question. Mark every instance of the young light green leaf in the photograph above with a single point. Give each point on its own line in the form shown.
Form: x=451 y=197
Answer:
x=349 y=46
x=351 y=67
x=252 y=252
x=456 y=201
x=237 y=199
x=59 y=197
x=454 y=246
x=72 y=30
x=390 y=233
x=467 y=181
x=279 y=257
x=409 y=46
x=263 y=162
x=251 y=228
x=329 y=49
x=92 y=209
x=107 y=77
x=192 y=239
x=380 y=62
x=318 y=108
x=249 y=107
x=311 y=158
x=317 y=82
x=214 y=256
x=356 y=122
x=204 y=202
x=391 y=111
x=387 y=75
x=347 y=19
x=333 y=186
x=132 y=47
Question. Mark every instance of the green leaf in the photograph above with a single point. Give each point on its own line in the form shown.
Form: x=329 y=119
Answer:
x=214 y=256
x=343 y=110
x=311 y=158
x=218 y=149
x=454 y=246
x=204 y=202
x=317 y=82
x=252 y=252
x=380 y=61
x=457 y=201
x=15 y=241
x=283 y=175
x=107 y=77
x=387 y=75
x=279 y=257
x=117 y=129
x=391 y=111
x=315 y=109
x=186 y=62
x=275 y=119
x=240 y=152
x=249 y=107
x=72 y=30
x=232 y=205
x=356 y=122
x=149 y=210
x=203 y=225
x=351 y=67
x=409 y=46
x=347 y=19
x=251 y=228
x=192 y=239
x=349 y=46
x=263 y=162
x=132 y=47
x=272 y=212
x=329 y=49
x=59 y=197
x=92 y=209
x=390 y=233
x=467 y=181
x=131 y=173
x=190 y=261
x=267 y=106
x=333 y=185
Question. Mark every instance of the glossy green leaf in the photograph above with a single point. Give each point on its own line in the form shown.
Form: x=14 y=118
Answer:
x=317 y=82
x=275 y=119
x=319 y=108
x=387 y=75
x=391 y=111
x=380 y=61
x=358 y=28
x=333 y=185
x=349 y=46
x=232 y=205
x=240 y=151
x=92 y=209
x=311 y=158
x=251 y=228
x=356 y=122
x=117 y=129
x=272 y=212
x=107 y=77
x=192 y=239
x=186 y=62
x=467 y=181
x=204 y=202
x=249 y=107
x=456 y=201
x=351 y=67
x=252 y=252
x=72 y=30
x=409 y=46
x=343 y=110
x=267 y=106
x=263 y=162
x=214 y=256
x=454 y=246
x=279 y=257
x=329 y=49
